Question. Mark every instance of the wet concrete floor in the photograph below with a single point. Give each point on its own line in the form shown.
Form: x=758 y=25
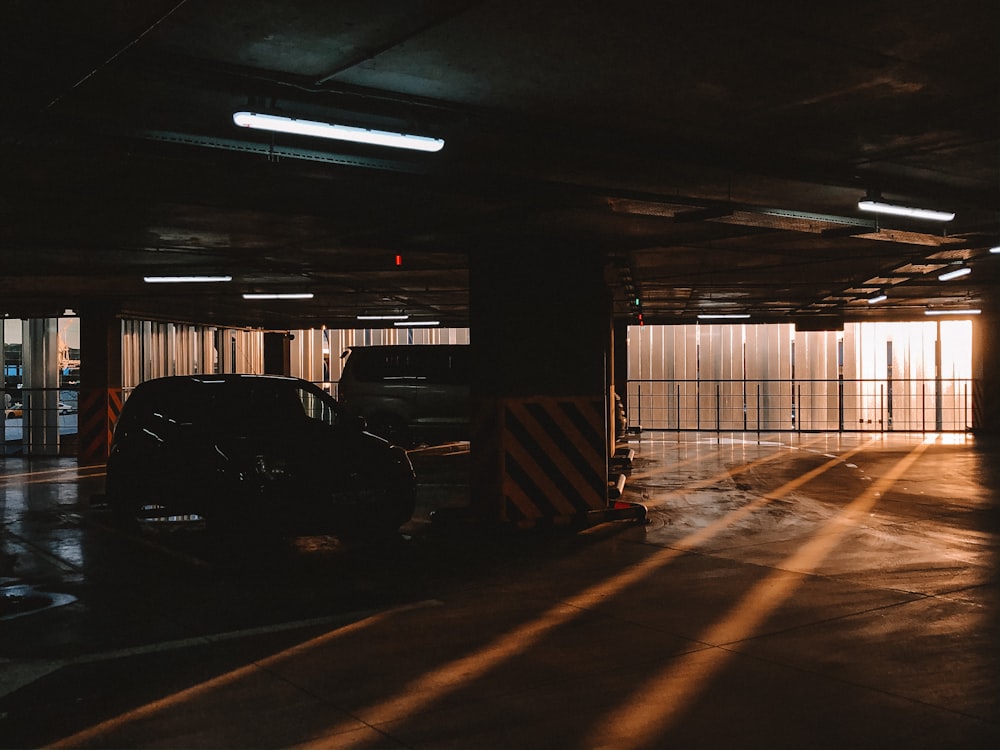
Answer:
x=788 y=591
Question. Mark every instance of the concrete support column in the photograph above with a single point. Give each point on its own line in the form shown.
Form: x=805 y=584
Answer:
x=100 y=381
x=986 y=374
x=5 y=398
x=541 y=344
x=277 y=354
x=619 y=361
x=40 y=337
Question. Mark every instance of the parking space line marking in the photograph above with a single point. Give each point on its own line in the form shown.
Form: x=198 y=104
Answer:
x=80 y=472
x=143 y=541
x=18 y=674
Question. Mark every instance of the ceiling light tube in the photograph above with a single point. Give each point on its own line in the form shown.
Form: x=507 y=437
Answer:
x=416 y=323
x=995 y=250
x=278 y=295
x=877 y=298
x=277 y=124
x=186 y=279
x=972 y=311
x=724 y=316
x=383 y=317
x=957 y=273
x=880 y=207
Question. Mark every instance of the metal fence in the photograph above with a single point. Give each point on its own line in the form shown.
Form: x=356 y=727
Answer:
x=879 y=405
x=44 y=418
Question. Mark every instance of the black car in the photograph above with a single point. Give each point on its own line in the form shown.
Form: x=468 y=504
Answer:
x=241 y=452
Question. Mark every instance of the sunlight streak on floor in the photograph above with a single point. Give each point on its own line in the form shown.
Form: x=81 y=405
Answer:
x=431 y=687
x=447 y=678
x=170 y=702
x=656 y=705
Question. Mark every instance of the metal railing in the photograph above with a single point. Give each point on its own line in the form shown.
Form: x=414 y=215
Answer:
x=39 y=420
x=844 y=405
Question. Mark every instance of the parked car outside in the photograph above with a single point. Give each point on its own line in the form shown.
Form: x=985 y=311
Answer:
x=16 y=410
x=254 y=453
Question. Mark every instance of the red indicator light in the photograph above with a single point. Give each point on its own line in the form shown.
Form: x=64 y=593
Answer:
x=399 y=260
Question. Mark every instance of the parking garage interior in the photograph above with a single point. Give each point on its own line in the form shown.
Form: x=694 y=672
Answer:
x=775 y=236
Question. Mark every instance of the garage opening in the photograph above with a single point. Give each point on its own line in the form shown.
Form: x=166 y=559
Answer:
x=769 y=377
x=39 y=385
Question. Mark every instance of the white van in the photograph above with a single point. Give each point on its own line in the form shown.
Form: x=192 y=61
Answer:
x=409 y=394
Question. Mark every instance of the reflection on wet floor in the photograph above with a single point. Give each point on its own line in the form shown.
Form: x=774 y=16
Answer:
x=19 y=600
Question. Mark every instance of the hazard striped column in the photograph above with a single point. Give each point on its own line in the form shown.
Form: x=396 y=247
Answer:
x=539 y=439
x=100 y=382
x=98 y=413
x=554 y=459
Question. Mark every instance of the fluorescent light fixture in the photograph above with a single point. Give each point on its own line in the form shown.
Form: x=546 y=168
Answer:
x=880 y=207
x=383 y=317
x=972 y=311
x=278 y=295
x=995 y=250
x=416 y=323
x=957 y=273
x=724 y=316
x=277 y=124
x=186 y=279
x=877 y=298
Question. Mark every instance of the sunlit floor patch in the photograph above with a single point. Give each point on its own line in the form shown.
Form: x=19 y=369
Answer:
x=432 y=686
x=656 y=705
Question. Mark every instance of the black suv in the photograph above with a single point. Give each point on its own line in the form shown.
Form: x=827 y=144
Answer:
x=260 y=452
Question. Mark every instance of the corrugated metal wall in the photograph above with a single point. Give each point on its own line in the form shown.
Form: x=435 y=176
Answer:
x=316 y=353
x=154 y=350
x=905 y=376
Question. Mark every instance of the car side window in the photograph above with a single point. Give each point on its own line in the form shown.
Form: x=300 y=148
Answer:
x=316 y=407
x=157 y=413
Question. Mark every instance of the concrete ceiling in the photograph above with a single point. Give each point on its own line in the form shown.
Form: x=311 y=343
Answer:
x=714 y=151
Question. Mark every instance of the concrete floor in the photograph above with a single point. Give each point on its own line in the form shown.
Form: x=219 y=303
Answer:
x=796 y=591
